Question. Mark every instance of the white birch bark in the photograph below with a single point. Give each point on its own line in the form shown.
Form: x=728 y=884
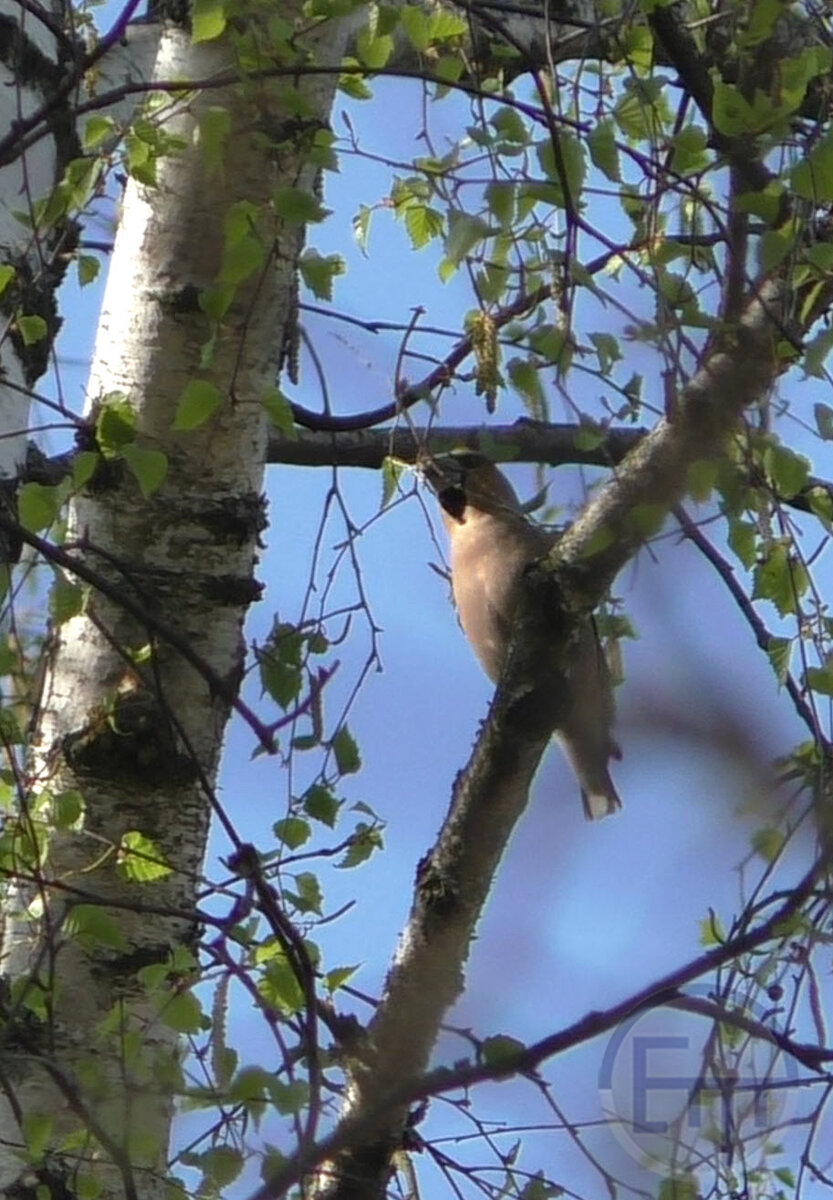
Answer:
x=141 y=742
x=29 y=177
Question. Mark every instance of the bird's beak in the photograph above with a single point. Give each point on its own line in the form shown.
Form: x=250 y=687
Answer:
x=441 y=471
x=445 y=475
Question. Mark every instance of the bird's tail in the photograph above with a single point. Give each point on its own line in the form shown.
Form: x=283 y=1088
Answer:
x=601 y=802
x=589 y=759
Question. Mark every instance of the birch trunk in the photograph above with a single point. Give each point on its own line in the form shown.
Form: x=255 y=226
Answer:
x=95 y=963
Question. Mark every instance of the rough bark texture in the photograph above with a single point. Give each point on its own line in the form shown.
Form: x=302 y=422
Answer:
x=125 y=720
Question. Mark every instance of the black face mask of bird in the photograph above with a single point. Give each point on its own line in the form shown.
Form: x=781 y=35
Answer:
x=492 y=544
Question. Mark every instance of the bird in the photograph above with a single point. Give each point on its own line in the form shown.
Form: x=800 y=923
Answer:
x=492 y=543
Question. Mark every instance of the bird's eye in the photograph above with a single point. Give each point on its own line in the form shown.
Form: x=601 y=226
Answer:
x=453 y=500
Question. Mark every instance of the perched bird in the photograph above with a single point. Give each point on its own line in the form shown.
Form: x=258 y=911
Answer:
x=492 y=543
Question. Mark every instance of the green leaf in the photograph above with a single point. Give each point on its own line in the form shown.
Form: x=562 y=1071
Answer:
x=768 y=843
x=417 y=26
x=817 y=352
x=588 y=436
x=280 y=664
x=743 y=540
x=537 y=1188
x=318 y=272
x=279 y=411
x=690 y=150
x=148 y=466
x=292 y=831
x=781 y=578
x=819 y=255
x=9 y=662
x=638 y=41
x=242 y=258
x=678 y=1187
x=549 y=342
x=361 y=227
x=37 y=1134
x=526 y=379
x=820 y=679
x=373 y=51
x=821 y=505
x=601 y=142
x=67 y=808
x=250 y=1087
x=32 y=329
x=214 y=124
x=779 y=653
x=812 y=178
x=731 y=112
x=607 y=349
x=10 y=731
x=423 y=224
x=115 y=425
x=140 y=860
x=643 y=110
x=765 y=203
x=701 y=478
x=712 y=932
x=774 y=247
x=365 y=840
x=94 y=926
x=320 y=804
x=496 y=1050
x=492 y=283
x=392 y=472
x=280 y=987
x=88 y=267
x=500 y=199
x=38 y=506
x=307 y=896
x=83 y=467
x=289 y=1098
x=824 y=420
x=215 y=302
x=354 y=85
x=787 y=471
x=183 y=1013
x=298 y=207
x=208 y=20
x=571 y=158
x=464 y=233
x=446 y=25
x=199 y=400
x=509 y=125
x=346 y=751
x=66 y=599
x=97 y=129
x=336 y=978
x=7 y=274
x=139 y=160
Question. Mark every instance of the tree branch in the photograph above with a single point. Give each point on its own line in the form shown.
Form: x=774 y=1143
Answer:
x=734 y=375
x=355 y=1130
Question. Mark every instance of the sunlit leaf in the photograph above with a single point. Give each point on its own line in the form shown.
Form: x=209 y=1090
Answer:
x=199 y=400
x=140 y=859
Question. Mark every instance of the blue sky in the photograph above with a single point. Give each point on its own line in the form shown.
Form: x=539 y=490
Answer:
x=581 y=914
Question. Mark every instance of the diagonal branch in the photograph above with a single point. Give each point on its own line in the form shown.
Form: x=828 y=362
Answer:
x=736 y=374
x=356 y=1129
x=490 y=795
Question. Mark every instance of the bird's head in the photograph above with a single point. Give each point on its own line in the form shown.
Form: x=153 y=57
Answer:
x=467 y=482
